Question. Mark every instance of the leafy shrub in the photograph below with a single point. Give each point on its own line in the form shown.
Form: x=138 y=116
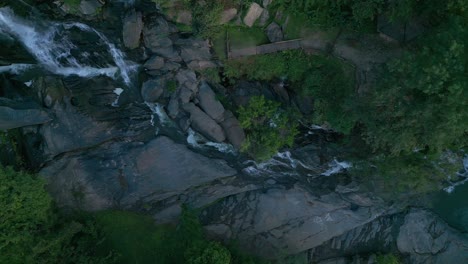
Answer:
x=408 y=175
x=267 y=126
x=387 y=259
x=418 y=103
x=324 y=79
x=31 y=231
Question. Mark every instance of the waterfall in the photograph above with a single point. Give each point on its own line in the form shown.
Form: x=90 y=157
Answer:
x=51 y=45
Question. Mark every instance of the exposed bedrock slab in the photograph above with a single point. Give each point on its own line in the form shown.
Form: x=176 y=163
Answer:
x=122 y=174
x=287 y=221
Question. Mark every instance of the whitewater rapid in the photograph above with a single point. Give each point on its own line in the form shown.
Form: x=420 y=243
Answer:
x=51 y=45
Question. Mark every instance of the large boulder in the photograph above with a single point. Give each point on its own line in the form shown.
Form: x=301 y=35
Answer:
x=187 y=78
x=204 y=124
x=154 y=63
x=255 y=11
x=156 y=34
x=132 y=28
x=152 y=90
x=234 y=132
x=274 y=32
x=122 y=174
x=276 y=221
x=209 y=103
x=427 y=239
x=89 y=7
x=228 y=15
x=195 y=53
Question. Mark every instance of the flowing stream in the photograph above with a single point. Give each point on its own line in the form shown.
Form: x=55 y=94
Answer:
x=56 y=49
x=452 y=203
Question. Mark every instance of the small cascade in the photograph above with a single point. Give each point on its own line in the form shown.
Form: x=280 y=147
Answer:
x=197 y=141
x=462 y=173
x=158 y=109
x=52 y=46
x=282 y=163
x=337 y=167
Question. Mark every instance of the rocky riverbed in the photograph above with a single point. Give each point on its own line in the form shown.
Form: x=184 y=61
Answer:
x=114 y=114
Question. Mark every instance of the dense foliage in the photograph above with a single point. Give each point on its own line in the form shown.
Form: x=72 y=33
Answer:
x=268 y=127
x=139 y=240
x=327 y=80
x=421 y=104
x=32 y=232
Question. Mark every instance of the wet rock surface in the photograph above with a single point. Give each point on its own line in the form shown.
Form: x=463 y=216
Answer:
x=132 y=28
x=122 y=174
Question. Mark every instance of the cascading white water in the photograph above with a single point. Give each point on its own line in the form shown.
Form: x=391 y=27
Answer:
x=52 y=47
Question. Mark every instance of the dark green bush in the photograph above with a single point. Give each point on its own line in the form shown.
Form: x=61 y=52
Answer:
x=268 y=127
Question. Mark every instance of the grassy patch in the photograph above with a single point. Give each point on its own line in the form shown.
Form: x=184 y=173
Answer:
x=134 y=237
x=298 y=25
x=219 y=44
x=244 y=37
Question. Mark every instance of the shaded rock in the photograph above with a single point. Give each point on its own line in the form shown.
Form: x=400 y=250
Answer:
x=89 y=7
x=281 y=92
x=244 y=90
x=274 y=32
x=169 y=53
x=187 y=78
x=255 y=11
x=266 y=3
x=200 y=65
x=19 y=117
x=264 y=18
x=154 y=63
x=196 y=53
x=234 y=132
x=184 y=17
x=132 y=28
x=203 y=124
x=83 y=116
x=171 y=66
x=185 y=95
x=276 y=221
x=152 y=90
x=228 y=15
x=209 y=103
x=156 y=34
x=430 y=240
x=376 y=236
x=124 y=173
x=173 y=107
x=304 y=103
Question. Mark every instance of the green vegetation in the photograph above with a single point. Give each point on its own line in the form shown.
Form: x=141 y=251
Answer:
x=31 y=231
x=417 y=115
x=332 y=13
x=171 y=85
x=268 y=127
x=10 y=144
x=329 y=81
x=388 y=259
x=139 y=240
x=406 y=175
x=244 y=37
x=420 y=105
x=211 y=74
